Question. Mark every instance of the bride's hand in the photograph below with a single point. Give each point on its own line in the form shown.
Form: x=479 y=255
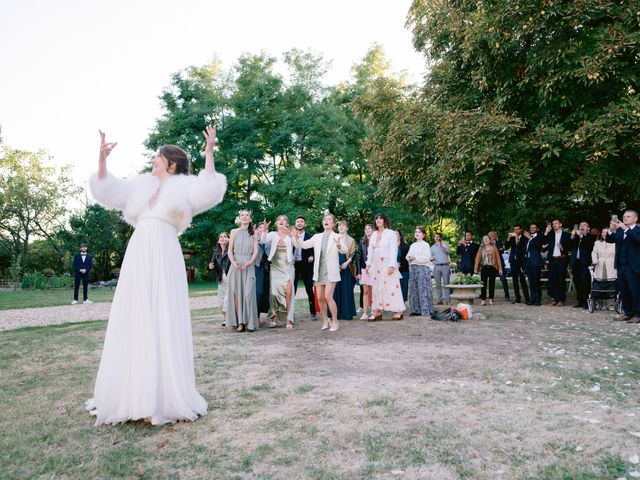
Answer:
x=210 y=135
x=105 y=147
x=246 y=265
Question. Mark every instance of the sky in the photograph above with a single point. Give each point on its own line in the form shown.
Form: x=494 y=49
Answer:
x=71 y=67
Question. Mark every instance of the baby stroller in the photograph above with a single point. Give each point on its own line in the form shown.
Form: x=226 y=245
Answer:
x=601 y=291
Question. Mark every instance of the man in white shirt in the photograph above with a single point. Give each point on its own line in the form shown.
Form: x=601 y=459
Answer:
x=557 y=243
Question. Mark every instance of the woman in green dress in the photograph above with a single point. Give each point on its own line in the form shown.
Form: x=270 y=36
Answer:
x=282 y=271
x=242 y=308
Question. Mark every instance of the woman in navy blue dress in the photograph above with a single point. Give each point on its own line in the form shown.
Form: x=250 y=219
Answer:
x=343 y=294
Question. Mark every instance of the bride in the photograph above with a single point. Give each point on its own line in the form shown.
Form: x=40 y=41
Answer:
x=147 y=371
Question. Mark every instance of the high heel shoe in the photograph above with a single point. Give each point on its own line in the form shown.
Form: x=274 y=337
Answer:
x=395 y=317
x=325 y=327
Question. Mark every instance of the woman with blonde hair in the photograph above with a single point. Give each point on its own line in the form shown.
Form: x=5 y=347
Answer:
x=242 y=309
x=488 y=264
x=326 y=267
x=282 y=271
x=343 y=293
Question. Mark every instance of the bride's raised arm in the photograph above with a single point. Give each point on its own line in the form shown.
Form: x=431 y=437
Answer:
x=209 y=188
x=110 y=191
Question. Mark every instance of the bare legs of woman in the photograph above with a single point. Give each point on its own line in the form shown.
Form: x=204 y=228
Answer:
x=325 y=299
x=366 y=301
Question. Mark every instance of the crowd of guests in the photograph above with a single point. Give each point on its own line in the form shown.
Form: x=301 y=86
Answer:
x=258 y=270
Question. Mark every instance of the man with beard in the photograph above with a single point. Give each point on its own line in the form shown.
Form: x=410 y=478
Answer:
x=303 y=264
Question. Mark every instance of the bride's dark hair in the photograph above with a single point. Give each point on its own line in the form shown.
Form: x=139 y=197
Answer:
x=175 y=155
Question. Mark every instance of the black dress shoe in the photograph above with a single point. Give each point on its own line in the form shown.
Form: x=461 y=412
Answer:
x=529 y=303
x=580 y=305
x=515 y=301
x=538 y=304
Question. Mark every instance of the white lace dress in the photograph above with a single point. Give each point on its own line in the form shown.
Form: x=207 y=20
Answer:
x=147 y=370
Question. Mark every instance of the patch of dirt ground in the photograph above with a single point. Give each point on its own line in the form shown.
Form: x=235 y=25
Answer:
x=529 y=392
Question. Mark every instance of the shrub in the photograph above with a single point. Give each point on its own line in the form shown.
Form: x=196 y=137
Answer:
x=39 y=281
x=466 y=279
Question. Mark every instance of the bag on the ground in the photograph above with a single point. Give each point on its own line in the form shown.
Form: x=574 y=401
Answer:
x=462 y=311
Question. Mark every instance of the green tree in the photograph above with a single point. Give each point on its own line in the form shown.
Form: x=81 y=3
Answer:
x=530 y=109
x=33 y=198
x=106 y=234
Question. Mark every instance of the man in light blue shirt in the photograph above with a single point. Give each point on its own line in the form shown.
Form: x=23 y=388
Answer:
x=441 y=271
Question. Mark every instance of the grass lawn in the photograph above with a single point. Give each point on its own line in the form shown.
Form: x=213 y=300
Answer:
x=63 y=296
x=529 y=393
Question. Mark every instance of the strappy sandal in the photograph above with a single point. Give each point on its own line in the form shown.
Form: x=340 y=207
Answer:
x=395 y=317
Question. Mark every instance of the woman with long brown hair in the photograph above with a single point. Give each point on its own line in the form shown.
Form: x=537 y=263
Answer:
x=382 y=265
x=146 y=370
x=242 y=312
x=363 y=277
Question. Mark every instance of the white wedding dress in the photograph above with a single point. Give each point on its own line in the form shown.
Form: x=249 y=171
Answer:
x=147 y=371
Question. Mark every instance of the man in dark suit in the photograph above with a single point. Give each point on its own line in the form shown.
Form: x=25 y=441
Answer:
x=467 y=250
x=557 y=243
x=533 y=263
x=517 y=243
x=303 y=265
x=626 y=236
x=82 y=264
x=581 y=245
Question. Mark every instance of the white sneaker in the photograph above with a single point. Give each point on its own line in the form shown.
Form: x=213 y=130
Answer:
x=86 y=302
x=364 y=317
x=75 y=302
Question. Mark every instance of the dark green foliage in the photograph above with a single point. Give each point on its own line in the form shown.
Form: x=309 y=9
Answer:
x=530 y=109
x=288 y=146
x=106 y=235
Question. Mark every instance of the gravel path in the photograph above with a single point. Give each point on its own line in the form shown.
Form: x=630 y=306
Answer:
x=37 y=317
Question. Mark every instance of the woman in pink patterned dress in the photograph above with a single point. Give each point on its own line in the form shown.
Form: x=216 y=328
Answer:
x=382 y=266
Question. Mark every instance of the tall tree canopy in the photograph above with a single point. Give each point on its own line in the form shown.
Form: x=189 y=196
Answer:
x=288 y=143
x=33 y=198
x=529 y=109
